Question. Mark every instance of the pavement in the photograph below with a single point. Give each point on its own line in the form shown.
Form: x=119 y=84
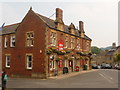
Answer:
x=68 y=75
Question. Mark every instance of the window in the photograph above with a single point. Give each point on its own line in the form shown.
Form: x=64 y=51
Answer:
x=7 y=60
x=30 y=39
x=12 y=41
x=66 y=42
x=29 y=61
x=72 y=43
x=87 y=46
x=78 y=44
x=52 y=65
x=53 y=39
x=6 y=41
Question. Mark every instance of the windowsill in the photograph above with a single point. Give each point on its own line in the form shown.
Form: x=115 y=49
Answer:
x=29 y=46
x=12 y=46
x=7 y=66
x=29 y=68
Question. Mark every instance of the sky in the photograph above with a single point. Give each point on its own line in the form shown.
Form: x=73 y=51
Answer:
x=100 y=17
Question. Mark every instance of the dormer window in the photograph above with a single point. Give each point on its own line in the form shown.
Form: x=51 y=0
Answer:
x=12 y=41
x=30 y=39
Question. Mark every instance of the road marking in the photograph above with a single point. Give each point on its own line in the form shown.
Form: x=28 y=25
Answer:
x=106 y=78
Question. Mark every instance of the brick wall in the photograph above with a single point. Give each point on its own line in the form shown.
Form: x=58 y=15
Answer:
x=31 y=22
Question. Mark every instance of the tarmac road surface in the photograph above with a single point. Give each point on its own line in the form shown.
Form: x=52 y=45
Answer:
x=100 y=78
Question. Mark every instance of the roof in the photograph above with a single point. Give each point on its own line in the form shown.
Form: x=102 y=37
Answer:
x=110 y=53
x=9 y=29
x=51 y=23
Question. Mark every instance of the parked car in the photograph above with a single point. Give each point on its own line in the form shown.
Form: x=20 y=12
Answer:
x=103 y=66
x=94 y=66
x=117 y=66
x=99 y=66
x=108 y=66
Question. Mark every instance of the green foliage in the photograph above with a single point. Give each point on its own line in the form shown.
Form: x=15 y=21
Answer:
x=118 y=57
x=95 y=50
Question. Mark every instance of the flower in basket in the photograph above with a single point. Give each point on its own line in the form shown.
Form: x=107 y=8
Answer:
x=66 y=57
x=49 y=51
x=63 y=51
x=58 y=59
x=77 y=58
x=67 y=51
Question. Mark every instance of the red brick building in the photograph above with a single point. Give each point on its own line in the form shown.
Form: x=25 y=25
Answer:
x=37 y=46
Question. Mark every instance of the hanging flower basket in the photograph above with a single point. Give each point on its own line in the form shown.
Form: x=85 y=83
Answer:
x=49 y=51
x=65 y=57
x=86 y=58
x=77 y=58
x=67 y=52
x=58 y=59
x=61 y=52
x=78 y=52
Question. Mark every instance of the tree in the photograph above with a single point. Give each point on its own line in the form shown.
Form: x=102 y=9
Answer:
x=118 y=57
x=95 y=50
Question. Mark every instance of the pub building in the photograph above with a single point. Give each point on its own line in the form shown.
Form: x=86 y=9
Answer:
x=38 y=46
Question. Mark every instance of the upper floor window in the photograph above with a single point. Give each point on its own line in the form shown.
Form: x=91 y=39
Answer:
x=12 y=41
x=72 y=43
x=87 y=46
x=78 y=44
x=53 y=38
x=7 y=60
x=6 y=41
x=30 y=39
x=66 y=42
x=29 y=61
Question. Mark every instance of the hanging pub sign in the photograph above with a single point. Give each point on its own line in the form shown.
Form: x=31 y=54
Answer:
x=60 y=45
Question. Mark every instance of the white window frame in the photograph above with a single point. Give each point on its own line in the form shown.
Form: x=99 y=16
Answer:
x=72 y=43
x=5 y=42
x=27 y=61
x=53 y=38
x=30 y=39
x=7 y=61
x=87 y=46
x=12 y=41
x=78 y=44
x=66 y=42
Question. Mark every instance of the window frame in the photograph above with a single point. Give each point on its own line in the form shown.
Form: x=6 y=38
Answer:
x=53 y=38
x=27 y=61
x=6 y=42
x=6 y=60
x=66 y=41
x=12 y=41
x=30 y=39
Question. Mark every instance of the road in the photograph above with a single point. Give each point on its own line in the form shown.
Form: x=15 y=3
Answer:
x=97 y=79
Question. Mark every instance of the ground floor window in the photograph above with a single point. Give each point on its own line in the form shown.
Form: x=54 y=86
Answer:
x=29 y=61
x=7 y=60
x=52 y=65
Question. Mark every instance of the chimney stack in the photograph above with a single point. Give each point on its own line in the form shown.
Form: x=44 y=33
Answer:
x=59 y=13
x=113 y=45
x=81 y=27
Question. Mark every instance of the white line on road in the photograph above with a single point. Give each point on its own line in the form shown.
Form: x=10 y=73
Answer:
x=106 y=78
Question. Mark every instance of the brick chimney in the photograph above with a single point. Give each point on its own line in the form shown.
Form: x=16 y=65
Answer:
x=59 y=19
x=81 y=28
x=59 y=13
